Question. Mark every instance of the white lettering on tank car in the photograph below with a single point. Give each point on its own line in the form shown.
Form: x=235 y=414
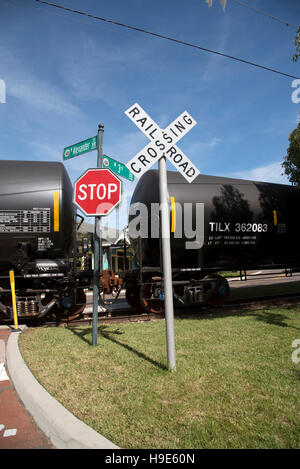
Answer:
x=216 y=226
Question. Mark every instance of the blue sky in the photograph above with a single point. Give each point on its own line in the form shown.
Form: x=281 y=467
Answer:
x=65 y=73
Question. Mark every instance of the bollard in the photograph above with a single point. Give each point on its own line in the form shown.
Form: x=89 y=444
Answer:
x=13 y=296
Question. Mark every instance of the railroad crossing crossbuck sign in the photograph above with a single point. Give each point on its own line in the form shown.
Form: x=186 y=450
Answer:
x=163 y=143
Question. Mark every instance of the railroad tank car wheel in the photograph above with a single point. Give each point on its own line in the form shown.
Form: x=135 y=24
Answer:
x=149 y=304
x=133 y=297
x=69 y=314
x=219 y=293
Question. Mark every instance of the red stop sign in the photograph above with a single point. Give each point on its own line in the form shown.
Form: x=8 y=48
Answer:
x=97 y=192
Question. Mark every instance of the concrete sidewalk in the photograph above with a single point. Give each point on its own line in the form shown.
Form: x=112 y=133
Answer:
x=63 y=429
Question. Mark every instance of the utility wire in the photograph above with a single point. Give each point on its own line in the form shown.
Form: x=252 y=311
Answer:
x=161 y=36
x=263 y=13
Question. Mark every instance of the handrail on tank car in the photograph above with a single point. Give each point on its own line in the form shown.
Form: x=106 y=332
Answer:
x=81 y=221
x=244 y=276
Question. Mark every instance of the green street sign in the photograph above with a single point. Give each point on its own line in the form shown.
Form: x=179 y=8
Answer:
x=79 y=148
x=117 y=167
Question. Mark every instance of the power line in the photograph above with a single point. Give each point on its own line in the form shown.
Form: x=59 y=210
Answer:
x=286 y=23
x=161 y=36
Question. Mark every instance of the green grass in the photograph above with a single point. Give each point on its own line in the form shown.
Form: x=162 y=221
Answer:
x=235 y=385
x=230 y=273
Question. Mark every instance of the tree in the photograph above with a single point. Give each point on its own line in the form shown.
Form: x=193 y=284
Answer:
x=291 y=163
x=223 y=3
x=297 y=45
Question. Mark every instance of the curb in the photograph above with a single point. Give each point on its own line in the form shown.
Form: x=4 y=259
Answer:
x=63 y=429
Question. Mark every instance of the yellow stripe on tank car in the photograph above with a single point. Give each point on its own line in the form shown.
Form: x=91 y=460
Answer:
x=173 y=212
x=56 y=211
x=275 y=217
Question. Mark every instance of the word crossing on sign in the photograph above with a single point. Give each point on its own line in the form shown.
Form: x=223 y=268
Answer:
x=163 y=143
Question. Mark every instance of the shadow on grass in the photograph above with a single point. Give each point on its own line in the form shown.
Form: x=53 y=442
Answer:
x=272 y=318
x=296 y=374
x=110 y=335
x=277 y=319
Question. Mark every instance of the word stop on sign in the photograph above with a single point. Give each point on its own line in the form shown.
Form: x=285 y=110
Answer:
x=97 y=191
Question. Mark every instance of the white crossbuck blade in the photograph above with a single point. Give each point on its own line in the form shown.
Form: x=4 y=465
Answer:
x=163 y=143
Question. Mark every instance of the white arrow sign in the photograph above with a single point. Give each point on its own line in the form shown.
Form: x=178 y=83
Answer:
x=163 y=143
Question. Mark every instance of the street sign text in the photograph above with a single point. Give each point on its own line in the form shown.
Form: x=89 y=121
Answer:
x=79 y=148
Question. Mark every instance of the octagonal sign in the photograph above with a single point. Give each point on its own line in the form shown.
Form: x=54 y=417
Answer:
x=97 y=192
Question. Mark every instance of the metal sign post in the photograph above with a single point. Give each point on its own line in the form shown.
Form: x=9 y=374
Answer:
x=163 y=144
x=96 y=193
x=97 y=245
x=167 y=267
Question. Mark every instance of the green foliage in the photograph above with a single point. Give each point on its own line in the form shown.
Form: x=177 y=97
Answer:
x=291 y=163
x=297 y=45
x=223 y=3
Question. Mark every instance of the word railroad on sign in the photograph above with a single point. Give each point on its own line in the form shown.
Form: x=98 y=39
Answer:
x=163 y=143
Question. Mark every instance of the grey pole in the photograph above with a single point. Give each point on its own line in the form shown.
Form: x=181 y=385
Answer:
x=167 y=266
x=97 y=245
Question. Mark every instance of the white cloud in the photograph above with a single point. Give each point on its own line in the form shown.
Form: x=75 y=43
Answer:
x=40 y=95
x=124 y=147
x=270 y=173
x=197 y=146
x=25 y=86
x=46 y=151
x=214 y=61
x=200 y=152
x=100 y=67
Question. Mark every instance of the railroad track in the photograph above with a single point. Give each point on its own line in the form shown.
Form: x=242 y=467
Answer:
x=191 y=312
x=121 y=316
